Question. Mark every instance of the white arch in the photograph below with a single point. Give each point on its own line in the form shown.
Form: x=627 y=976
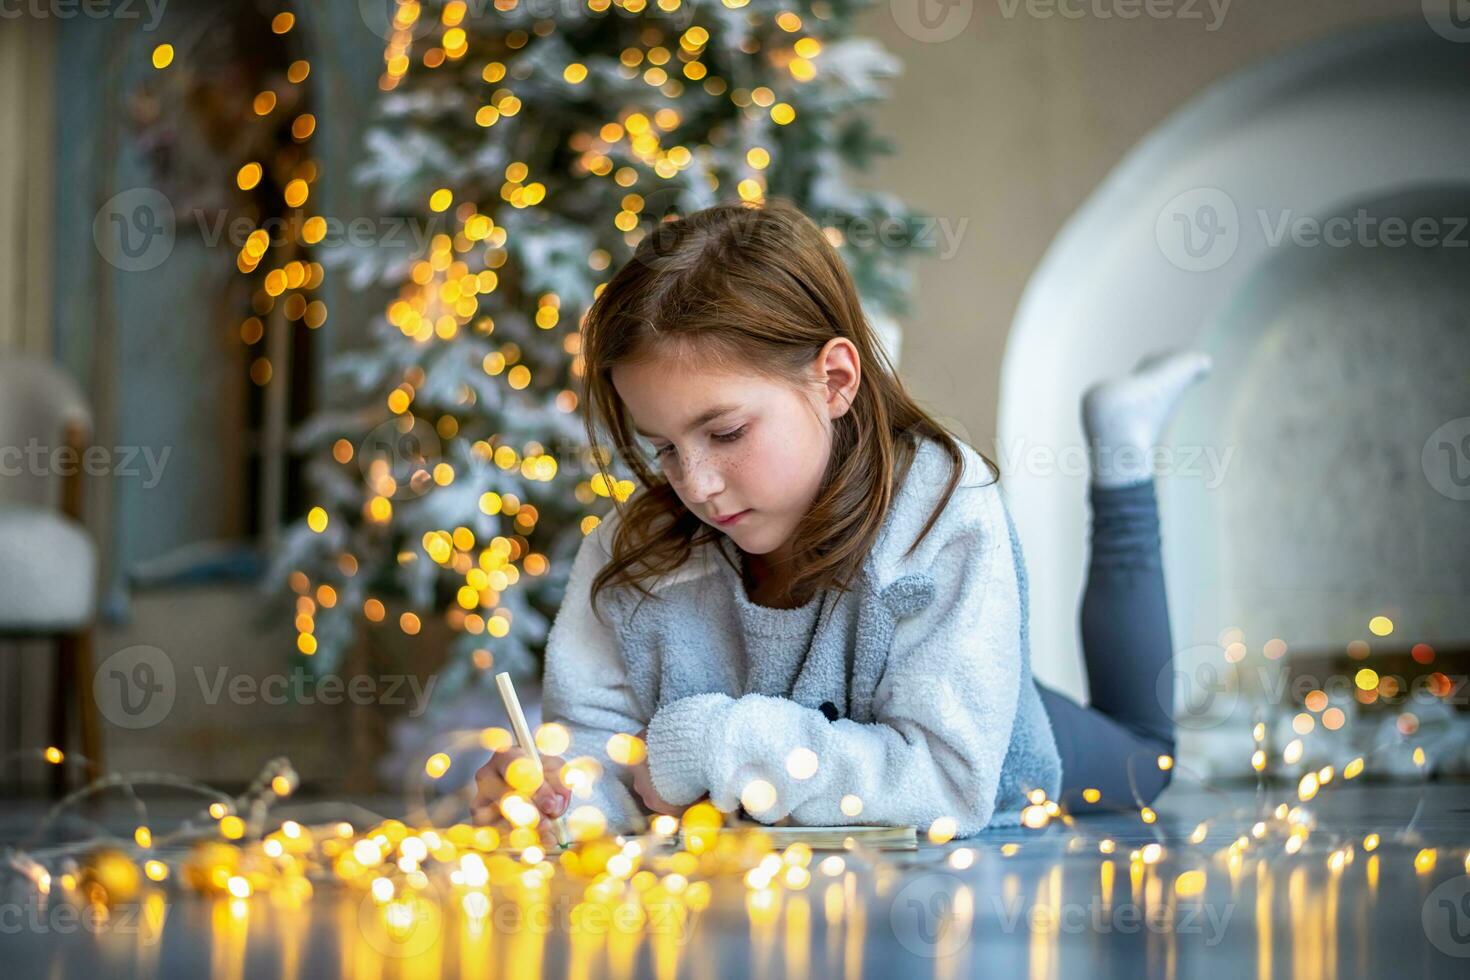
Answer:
x=1351 y=118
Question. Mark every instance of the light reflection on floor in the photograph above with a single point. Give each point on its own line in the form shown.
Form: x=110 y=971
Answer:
x=1056 y=906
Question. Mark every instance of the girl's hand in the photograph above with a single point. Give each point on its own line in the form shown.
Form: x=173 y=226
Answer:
x=552 y=797
x=643 y=784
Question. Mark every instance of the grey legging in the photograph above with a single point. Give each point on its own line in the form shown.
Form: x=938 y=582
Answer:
x=1126 y=645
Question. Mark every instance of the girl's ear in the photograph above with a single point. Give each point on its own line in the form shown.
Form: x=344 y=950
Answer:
x=840 y=372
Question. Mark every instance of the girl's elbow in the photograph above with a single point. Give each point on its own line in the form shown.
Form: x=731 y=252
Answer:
x=973 y=807
x=972 y=817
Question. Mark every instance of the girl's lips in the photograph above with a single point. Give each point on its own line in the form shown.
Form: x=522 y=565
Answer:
x=732 y=518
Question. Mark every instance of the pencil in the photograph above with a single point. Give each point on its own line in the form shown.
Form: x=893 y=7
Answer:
x=523 y=736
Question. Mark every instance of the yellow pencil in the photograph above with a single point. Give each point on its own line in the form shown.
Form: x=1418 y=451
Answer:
x=523 y=736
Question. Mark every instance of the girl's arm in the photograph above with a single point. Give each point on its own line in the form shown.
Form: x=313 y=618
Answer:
x=944 y=711
x=585 y=687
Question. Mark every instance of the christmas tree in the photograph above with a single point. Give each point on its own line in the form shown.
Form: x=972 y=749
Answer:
x=529 y=147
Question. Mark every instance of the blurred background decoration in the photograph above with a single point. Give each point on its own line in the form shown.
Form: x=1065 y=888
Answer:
x=344 y=252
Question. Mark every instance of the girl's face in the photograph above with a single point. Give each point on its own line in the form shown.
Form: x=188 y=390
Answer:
x=741 y=444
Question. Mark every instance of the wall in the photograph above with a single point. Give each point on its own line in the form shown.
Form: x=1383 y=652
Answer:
x=1004 y=129
x=27 y=126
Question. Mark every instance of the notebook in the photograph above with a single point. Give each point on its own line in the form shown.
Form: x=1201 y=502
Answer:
x=835 y=838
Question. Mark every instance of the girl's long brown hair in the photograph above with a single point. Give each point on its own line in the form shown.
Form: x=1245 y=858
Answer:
x=754 y=288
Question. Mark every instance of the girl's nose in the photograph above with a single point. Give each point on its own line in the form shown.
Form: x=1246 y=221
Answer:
x=702 y=479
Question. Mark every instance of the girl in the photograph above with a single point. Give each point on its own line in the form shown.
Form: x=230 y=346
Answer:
x=816 y=607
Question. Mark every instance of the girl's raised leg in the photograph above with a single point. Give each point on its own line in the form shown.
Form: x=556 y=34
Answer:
x=1114 y=744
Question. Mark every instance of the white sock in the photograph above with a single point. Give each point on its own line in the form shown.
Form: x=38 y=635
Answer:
x=1123 y=417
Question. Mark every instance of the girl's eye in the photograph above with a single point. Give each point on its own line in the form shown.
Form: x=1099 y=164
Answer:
x=730 y=436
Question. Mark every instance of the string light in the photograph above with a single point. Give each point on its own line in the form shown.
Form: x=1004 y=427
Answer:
x=396 y=864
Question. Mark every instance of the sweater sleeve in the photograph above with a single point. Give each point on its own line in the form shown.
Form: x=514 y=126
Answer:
x=943 y=709
x=585 y=687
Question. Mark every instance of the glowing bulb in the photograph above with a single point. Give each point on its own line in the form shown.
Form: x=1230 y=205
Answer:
x=758 y=796
x=801 y=763
x=942 y=830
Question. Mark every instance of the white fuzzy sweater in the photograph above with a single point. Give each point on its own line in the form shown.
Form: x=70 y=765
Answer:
x=914 y=691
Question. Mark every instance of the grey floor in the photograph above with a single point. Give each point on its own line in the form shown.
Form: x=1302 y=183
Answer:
x=1053 y=907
